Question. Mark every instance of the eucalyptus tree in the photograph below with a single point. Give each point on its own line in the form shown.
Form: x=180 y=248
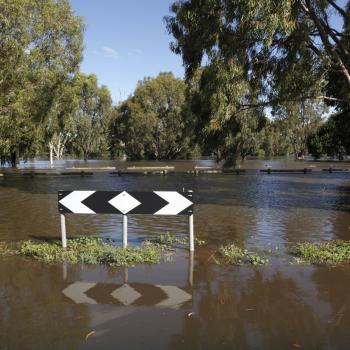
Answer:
x=332 y=138
x=59 y=126
x=299 y=120
x=151 y=124
x=281 y=51
x=40 y=48
x=92 y=116
x=223 y=127
x=278 y=43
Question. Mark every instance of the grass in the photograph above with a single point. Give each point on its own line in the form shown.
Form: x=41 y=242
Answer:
x=170 y=239
x=89 y=250
x=323 y=253
x=233 y=255
x=6 y=250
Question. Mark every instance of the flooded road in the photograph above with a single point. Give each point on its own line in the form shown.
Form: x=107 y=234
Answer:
x=184 y=303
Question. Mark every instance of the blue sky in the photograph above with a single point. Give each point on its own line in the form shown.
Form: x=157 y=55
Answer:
x=126 y=41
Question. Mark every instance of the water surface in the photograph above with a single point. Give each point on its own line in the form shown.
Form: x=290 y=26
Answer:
x=280 y=306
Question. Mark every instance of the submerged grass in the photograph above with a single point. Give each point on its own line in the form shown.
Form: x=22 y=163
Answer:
x=170 y=239
x=6 y=250
x=323 y=253
x=89 y=251
x=233 y=255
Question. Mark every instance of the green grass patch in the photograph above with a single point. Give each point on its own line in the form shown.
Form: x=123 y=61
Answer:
x=170 y=239
x=89 y=250
x=323 y=253
x=7 y=249
x=233 y=255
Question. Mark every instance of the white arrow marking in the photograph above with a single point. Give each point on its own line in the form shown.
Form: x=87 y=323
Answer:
x=124 y=202
x=126 y=294
x=176 y=297
x=76 y=292
x=73 y=202
x=177 y=202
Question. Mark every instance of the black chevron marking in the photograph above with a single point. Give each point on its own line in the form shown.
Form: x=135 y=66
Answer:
x=98 y=202
x=150 y=203
x=188 y=210
x=62 y=208
x=151 y=295
x=101 y=293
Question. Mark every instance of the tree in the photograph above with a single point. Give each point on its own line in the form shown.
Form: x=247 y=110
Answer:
x=92 y=116
x=288 y=50
x=40 y=48
x=299 y=121
x=151 y=124
x=273 y=141
x=332 y=138
x=59 y=126
x=271 y=54
x=225 y=128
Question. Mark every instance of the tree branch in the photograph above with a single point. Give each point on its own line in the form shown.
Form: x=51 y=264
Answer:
x=280 y=101
x=337 y=7
x=324 y=38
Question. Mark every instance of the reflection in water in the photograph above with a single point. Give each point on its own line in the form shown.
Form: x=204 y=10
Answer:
x=231 y=307
x=275 y=307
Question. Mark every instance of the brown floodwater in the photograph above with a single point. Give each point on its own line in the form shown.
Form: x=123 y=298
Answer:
x=188 y=302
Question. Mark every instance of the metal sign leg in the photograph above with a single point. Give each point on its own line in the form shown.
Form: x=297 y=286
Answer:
x=190 y=268
x=125 y=231
x=63 y=231
x=190 y=223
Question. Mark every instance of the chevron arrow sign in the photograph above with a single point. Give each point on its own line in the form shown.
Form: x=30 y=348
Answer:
x=127 y=294
x=122 y=202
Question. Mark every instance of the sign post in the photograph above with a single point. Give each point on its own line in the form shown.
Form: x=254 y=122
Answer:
x=124 y=203
x=125 y=231
x=63 y=231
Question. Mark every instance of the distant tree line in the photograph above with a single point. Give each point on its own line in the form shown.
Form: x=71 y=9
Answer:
x=261 y=75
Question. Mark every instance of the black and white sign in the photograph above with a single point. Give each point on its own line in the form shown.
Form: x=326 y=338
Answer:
x=122 y=202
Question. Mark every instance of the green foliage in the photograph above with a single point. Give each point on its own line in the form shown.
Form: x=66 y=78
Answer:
x=151 y=123
x=255 y=54
x=92 y=116
x=41 y=47
x=332 y=138
x=223 y=127
x=233 y=255
x=170 y=239
x=286 y=49
x=6 y=249
x=298 y=121
x=92 y=251
x=273 y=141
x=323 y=253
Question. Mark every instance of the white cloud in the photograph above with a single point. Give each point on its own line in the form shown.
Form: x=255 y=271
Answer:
x=109 y=52
x=135 y=52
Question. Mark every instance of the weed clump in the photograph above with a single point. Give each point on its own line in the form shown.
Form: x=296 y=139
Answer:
x=233 y=255
x=89 y=250
x=170 y=239
x=6 y=250
x=323 y=253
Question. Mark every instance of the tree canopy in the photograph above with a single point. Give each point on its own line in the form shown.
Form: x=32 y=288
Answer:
x=40 y=49
x=285 y=50
x=245 y=56
x=151 y=123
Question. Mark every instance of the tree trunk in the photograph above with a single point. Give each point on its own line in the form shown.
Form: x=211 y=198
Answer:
x=51 y=155
x=14 y=158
